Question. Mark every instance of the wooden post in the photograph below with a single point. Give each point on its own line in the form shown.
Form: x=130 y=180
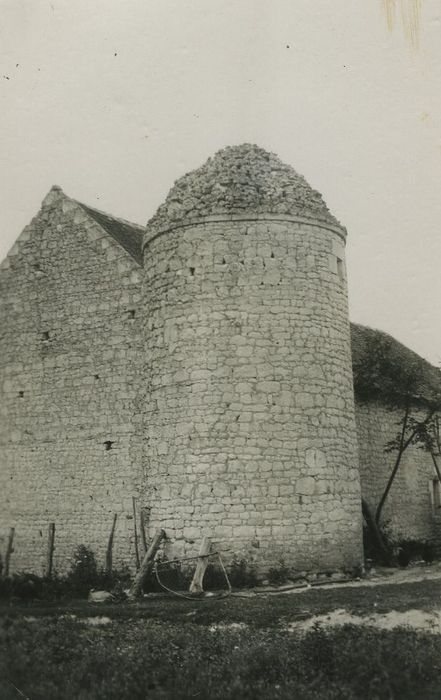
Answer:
x=142 y=529
x=146 y=565
x=9 y=550
x=109 y=559
x=136 y=532
x=50 y=549
x=196 y=584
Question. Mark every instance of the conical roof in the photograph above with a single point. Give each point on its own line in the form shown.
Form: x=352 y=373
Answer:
x=242 y=180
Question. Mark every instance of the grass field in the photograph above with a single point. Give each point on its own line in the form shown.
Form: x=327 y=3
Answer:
x=230 y=648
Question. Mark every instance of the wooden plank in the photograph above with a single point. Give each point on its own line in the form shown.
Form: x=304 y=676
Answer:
x=146 y=565
x=109 y=551
x=196 y=584
x=50 y=549
x=9 y=550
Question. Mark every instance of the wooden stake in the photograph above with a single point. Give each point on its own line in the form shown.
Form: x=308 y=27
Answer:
x=50 y=549
x=146 y=565
x=9 y=550
x=109 y=552
x=136 y=532
x=142 y=528
x=196 y=584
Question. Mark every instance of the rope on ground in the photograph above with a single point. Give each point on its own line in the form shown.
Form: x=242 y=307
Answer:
x=225 y=594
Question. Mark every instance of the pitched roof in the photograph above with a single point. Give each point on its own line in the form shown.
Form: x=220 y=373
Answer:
x=128 y=235
x=386 y=369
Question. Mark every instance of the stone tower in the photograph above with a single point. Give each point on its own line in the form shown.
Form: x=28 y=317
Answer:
x=249 y=410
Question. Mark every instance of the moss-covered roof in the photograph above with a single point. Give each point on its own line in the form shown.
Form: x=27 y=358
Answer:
x=128 y=235
x=387 y=370
x=245 y=180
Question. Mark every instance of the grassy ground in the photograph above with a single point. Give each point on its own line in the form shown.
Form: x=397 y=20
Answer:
x=231 y=648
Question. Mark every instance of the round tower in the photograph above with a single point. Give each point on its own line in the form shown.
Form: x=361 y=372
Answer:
x=249 y=410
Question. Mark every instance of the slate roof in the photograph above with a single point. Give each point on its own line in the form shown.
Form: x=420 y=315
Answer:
x=128 y=235
x=241 y=180
x=385 y=368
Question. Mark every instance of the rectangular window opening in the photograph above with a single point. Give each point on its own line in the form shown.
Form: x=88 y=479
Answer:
x=45 y=335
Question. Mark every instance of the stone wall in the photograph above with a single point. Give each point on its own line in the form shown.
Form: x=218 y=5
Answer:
x=249 y=415
x=69 y=372
x=410 y=511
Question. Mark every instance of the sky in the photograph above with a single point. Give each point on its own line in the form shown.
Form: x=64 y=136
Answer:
x=113 y=100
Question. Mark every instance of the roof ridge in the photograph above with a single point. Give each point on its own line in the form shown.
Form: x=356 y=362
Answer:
x=111 y=216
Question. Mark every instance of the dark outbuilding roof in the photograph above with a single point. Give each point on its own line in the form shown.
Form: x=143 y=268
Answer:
x=128 y=235
x=385 y=369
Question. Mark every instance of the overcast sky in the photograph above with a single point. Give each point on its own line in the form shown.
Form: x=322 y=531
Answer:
x=115 y=99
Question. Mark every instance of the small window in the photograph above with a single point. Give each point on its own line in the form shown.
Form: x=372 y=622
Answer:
x=45 y=335
x=340 y=269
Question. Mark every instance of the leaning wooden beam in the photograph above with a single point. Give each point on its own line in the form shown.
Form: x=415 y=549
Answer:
x=50 y=549
x=196 y=584
x=146 y=565
x=9 y=550
x=142 y=529
x=135 y=530
x=109 y=552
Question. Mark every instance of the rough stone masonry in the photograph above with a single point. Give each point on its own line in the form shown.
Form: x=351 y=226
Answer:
x=201 y=366
x=249 y=426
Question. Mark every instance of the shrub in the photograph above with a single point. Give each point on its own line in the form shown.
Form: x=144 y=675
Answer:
x=242 y=574
x=278 y=575
x=85 y=575
x=409 y=550
x=26 y=586
x=371 y=548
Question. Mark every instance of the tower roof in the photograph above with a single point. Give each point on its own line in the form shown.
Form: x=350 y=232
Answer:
x=242 y=180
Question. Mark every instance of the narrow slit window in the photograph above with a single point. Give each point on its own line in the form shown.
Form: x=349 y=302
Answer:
x=340 y=269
